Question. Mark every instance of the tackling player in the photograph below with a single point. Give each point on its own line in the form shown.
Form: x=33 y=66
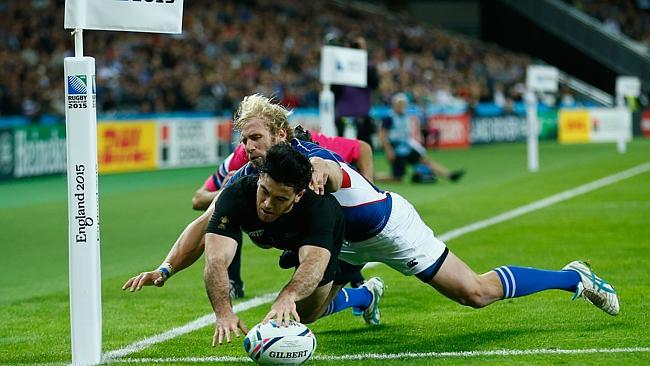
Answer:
x=353 y=151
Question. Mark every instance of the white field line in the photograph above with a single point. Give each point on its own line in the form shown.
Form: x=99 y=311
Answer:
x=396 y=356
x=545 y=202
x=209 y=319
x=199 y=323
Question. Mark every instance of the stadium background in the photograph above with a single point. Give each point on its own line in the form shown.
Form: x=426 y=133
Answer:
x=166 y=102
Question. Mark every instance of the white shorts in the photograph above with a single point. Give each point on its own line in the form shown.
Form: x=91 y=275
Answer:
x=406 y=244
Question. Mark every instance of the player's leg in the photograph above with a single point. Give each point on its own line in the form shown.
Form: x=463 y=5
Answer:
x=364 y=300
x=457 y=281
x=437 y=168
x=311 y=307
x=338 y=298
x=460 y=283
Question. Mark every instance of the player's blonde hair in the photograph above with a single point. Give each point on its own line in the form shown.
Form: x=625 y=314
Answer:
x=274 y=115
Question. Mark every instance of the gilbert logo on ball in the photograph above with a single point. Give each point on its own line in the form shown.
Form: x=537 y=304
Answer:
x=269 y=343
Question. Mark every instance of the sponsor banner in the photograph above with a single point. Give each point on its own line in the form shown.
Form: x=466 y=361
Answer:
x=487 y=130
x=127 y=146
x=452 y=131
x=610 y=124
x=38 y=150
x=6 y=154
x=548 y=124
x=645 y=123
x=573 y=126
x=157 y=16
x=344 y=66
x=595 y=125
x=185 y=142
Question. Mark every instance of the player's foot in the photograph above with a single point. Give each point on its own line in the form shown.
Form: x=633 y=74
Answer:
x=236 y=290
x=594 y=289
x=376 y=287
x=456 y=175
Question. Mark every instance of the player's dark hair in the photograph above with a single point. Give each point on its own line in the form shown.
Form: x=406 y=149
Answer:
x=287 y=166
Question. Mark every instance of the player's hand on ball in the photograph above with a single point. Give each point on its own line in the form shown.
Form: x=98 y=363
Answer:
x=282 y=310
x=225 y=324
x=136 y=283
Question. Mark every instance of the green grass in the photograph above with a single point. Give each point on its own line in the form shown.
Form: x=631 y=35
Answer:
x=142 y=214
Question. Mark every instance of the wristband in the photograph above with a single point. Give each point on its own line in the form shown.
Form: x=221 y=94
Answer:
x=166 y=270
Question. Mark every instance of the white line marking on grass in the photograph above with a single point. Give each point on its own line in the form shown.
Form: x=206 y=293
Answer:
x=398 y=356
x=199 y=323
x=209 y=319
x=545 y=202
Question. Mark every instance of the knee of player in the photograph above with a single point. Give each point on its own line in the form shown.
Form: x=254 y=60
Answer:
x=476 y=297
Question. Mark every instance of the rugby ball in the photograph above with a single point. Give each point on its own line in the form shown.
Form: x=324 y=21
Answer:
x=269 y=343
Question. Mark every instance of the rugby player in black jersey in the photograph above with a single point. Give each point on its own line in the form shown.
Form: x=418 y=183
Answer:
x=277 y=210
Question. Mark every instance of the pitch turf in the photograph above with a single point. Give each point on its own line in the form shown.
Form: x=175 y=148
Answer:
x=142 y=214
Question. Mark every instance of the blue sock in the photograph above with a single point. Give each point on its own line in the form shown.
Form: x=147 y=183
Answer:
x=522 y=281
x=347 y=298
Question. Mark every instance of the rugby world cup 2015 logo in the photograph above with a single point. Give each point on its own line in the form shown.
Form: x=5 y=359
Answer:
x=77 y=85
x=77 y=92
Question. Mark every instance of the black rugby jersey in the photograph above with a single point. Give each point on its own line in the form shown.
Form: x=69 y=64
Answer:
x=315 y=220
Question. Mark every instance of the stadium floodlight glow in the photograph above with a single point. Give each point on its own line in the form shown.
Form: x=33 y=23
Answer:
x=81 y=144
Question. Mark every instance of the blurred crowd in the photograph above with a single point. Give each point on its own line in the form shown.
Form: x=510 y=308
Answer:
x=229 y=49
x=629 y=17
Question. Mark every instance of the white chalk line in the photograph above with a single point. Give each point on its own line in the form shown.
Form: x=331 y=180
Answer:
x=199 y=323
x=397 y=356
x=113 y=356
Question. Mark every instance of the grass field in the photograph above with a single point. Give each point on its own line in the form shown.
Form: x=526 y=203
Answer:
x=142 y=214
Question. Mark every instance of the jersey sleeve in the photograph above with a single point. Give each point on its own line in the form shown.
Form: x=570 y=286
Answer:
x=347 y=148
x=210 y=184
x=247 y=169
x=227 y=216
x=311 y=150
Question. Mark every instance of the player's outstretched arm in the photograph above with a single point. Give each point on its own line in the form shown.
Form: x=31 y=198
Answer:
x=326 y=176
x=305 y=279
x=202 y=198
x=186 y=250
x=219 y=252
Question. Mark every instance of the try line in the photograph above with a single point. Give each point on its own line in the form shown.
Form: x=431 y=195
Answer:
x=398 y=356
x=209 y=319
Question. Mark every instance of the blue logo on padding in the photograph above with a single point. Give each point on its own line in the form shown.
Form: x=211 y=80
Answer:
x=77 y=85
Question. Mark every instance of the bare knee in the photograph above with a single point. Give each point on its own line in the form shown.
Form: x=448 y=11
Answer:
x=478 y=294
x=475 y=297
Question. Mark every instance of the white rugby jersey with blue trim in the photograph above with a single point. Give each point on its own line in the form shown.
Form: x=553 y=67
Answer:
x=366 y=207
